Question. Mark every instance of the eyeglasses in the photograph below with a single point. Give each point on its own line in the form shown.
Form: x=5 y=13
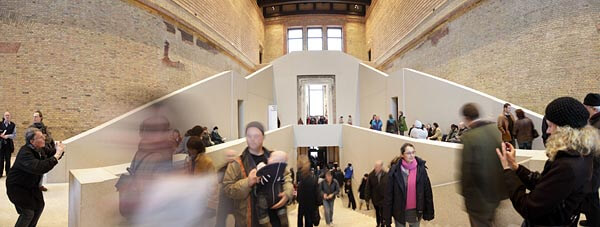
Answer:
x=409 y=153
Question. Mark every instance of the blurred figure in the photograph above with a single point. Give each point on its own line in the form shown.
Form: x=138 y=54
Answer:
x=371 y=121
x=402 y=127
x=309 y=194
x=523 y=130
x=22 y=182
x=555 y=195
x=376 y=124
x=506 y=122
x=429 y=130
x=240 y=177
x=176 y=137
x=329 y=189
x=437 y=132
x=339 y=176
x=453 y=134
x=300 y=121
x=341 y=121
x=418 y=132
x=350 y=119
x=350 y=193
x=182 y=148
x=375 y=190
x=153 y=159
x=480 y=171
x=50 y=148
x=364 y=199
x=203 y=165
x=391 y=126
x=348 y=172
x=408 y=196
x=226 y=205
x=8 y=132
x=216 y=137
x=591 y=204
x=206 y=137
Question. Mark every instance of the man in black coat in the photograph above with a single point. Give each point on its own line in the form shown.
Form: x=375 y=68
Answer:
x=22 y=183
x=591 y=204
x=375 y=189
x=8 y=131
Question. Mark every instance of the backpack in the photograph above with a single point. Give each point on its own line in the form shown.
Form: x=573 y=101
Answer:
x=129 y=193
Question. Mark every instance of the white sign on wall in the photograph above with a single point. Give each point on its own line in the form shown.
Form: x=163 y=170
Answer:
x=272 y=124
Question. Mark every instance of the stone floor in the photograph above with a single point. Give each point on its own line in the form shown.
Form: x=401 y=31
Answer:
x=445 y=199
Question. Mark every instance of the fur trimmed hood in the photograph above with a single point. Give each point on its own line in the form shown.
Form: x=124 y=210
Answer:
x=583 y=141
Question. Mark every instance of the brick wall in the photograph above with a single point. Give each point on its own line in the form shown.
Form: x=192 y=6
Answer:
x=353 y=29
x=85 y=62
x=526 y=52
x=390 y=20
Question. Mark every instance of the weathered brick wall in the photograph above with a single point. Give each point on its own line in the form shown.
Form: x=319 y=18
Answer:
x=526 y=52
x=85 y=62
x=353 y=29
x=390 y=20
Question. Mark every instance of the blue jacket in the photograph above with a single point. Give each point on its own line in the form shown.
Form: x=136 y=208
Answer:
x=348 y=172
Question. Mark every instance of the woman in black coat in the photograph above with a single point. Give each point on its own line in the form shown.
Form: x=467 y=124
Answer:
x=396 y=196
x=309 y=195
x=362 y=193
x=22 y=182
x=556 y=194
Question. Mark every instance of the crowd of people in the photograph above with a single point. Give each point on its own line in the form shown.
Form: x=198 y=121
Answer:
x=256 y=186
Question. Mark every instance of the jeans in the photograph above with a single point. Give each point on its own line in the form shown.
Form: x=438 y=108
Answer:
x=525 y=145
x=28 y=218
x=328 y=205
x=416 y=224
x=306 y=215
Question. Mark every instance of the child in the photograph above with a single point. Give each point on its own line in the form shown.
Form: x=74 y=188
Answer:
x=270 y=183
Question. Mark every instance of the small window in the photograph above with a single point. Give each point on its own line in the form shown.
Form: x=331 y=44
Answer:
x=187 y=37
x=294 y=40
x=334 y=39
x=170 y=27
x=315 y=38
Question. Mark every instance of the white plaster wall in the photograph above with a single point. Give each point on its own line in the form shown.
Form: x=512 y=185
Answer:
x=431 y=99
x=260 y=94
x=210 y=102
x=372 y=90
x=287 y=68
x=318 y=135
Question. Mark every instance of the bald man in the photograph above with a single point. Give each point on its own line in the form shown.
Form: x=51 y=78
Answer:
x=8 y=132
x=375 y=190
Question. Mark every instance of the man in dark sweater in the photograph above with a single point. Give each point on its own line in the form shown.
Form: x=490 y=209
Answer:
x=8 y=132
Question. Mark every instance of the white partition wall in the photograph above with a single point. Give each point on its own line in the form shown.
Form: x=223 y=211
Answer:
x=432 y=99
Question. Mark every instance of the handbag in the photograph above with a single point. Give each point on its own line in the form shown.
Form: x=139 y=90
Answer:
x=534 y=133
x=129 y=193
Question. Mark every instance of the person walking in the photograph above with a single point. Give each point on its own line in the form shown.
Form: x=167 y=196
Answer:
x=480 y=171
x=402 y=127
x=506 y=122
x=350 y=193
x=240 y=178
x=556 y=194
x=362 y=193
x=22 y=182
x=329 y=189
x=523 y=130
x=309 y=194
x=408 y=197
x=8 y=132
x=375 y=190
x=391 y=126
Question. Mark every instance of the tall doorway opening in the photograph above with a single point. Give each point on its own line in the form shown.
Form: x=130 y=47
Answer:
x=394 y=107
x=316 y=99
x=324 y=157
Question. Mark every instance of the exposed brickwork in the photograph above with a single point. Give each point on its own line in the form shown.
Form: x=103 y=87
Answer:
x=85 y=62
x=390 y=20
x=526 y=52
x=353 y=28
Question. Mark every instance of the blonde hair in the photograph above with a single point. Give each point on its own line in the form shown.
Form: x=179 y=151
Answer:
x=585 y=141
x=303 y=165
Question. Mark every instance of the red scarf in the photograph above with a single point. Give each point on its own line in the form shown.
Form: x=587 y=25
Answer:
x=411 y=190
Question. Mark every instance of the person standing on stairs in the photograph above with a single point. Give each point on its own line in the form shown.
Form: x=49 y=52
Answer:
x=362 y=192
x=375 y=190
x=408 y=196
x=329 y=189
x=8 y=132
x=350 y=193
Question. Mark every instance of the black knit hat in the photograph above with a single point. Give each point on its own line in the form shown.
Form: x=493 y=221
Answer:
x=256 y=124
x=567 y=111
x=592 y=99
